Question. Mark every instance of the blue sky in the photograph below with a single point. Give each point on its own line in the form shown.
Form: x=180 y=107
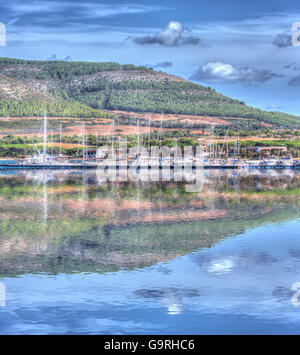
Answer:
x=242 y=49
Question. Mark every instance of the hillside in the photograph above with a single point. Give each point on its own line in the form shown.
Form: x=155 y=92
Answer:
x=86 y=89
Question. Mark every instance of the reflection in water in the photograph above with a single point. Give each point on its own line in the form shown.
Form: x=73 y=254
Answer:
x=45 y=202
x=295 y=253
x=223 y=263
x=283 y=293
x=171 y=298
x=221 y=266
x=79 y=257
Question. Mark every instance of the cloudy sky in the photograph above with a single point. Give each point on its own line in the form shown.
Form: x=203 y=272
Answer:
x=243 y=50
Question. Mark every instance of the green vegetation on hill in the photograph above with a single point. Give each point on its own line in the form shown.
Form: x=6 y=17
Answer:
x=31 y=108
x=61 y=70
x=83 y=89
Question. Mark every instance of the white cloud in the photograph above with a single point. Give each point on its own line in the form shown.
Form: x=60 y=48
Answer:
x=171 y=36
x=84 y=9
x=165 y=64
x=218 y=72
x=283 y=40
x=295 y=81
x=292 y=66
x=247 y=31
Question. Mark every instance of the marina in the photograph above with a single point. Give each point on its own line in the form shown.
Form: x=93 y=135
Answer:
x=148 y=157
x=149 y=170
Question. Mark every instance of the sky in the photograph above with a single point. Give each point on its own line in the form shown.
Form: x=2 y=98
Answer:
x=242 y=49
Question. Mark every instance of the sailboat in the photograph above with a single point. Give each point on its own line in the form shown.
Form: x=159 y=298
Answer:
x=41 y=158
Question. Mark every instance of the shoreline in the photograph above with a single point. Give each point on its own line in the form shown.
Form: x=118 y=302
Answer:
x=120 y=167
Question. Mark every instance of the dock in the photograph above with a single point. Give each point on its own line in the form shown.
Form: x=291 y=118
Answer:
x=120 y=167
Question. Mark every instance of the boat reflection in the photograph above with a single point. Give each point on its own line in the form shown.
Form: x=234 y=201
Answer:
x=149 y=257
x=56 y=220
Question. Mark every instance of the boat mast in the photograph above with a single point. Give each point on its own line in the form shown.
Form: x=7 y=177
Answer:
x=83 y=142
x=238 y=145
x=51 y=142
x=213 y=143
x=60 y=130
x=227 y=149
x=113 y=137
x=138 y=129
x=45 y=136
x=149 y=132
x=160 y=131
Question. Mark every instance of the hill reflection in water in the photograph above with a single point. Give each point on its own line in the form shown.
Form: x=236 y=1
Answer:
x=127 y=254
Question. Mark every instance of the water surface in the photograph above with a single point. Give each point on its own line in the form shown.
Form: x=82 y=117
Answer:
x=77 y=257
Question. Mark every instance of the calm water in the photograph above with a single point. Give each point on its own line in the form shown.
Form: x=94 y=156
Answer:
x=76 y=257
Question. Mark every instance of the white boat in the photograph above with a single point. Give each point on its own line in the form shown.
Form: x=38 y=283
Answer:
x=38 y=159
x=286 y=162
x=253 y=163
x=42 y=158
x=268 y=163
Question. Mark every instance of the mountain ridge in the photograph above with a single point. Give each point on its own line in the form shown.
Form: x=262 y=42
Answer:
x=89 y=89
